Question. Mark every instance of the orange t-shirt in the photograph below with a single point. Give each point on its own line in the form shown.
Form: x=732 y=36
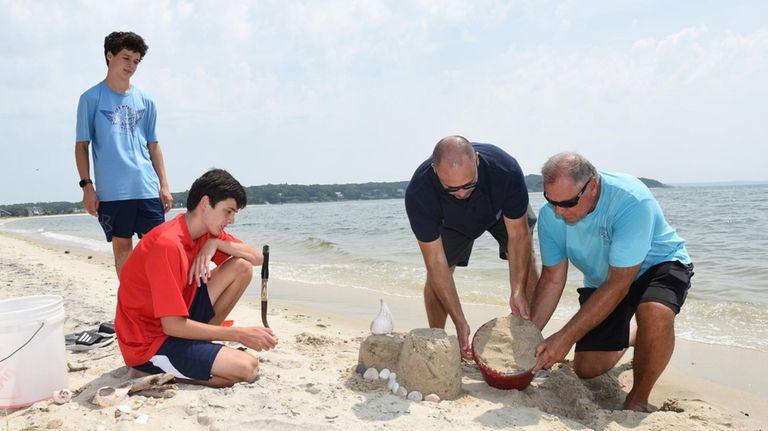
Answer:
x=153 y=284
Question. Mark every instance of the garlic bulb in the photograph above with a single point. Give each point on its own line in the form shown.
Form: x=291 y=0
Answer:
x=383 y=323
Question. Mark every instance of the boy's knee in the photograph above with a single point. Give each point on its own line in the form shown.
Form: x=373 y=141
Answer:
x=248 y=369
x=244 y=268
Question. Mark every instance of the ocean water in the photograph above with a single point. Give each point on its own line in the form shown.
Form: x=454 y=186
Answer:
x=368 y=245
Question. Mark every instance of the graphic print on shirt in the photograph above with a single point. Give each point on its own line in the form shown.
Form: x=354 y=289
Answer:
x=125 y=117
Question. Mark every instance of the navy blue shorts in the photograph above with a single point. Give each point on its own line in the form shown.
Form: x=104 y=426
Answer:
x=666 y=283
x=124 y=218
x=187 y=359
x=458 y=246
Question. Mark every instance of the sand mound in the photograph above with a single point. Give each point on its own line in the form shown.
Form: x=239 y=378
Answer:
x=430 y=363
x=380 y=351
x=507 y=344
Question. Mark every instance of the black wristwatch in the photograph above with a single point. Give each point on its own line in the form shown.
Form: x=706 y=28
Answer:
x=85 y=182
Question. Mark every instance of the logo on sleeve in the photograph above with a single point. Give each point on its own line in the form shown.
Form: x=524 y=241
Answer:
x=124 y=117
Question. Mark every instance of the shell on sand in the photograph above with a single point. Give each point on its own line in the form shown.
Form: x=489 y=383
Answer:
x=371 y=374
x=415 y=396
x=62 y=396
x=107 y=396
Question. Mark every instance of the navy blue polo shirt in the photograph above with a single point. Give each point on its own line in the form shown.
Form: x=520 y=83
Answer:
x=500 y=190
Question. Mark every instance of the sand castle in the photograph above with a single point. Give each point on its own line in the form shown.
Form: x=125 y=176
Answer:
x=425 y=360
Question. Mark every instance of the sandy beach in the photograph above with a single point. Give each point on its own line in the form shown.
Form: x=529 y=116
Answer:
x=309 y=380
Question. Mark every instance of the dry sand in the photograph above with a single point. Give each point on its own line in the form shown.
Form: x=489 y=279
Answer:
x=507 y=344
x=309 y=381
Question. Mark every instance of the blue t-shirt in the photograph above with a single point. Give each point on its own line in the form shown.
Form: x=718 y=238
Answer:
x=625 y=229
x=500 y=190
x=119 y=127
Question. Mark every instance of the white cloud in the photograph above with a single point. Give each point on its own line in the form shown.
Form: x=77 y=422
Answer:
x=340 y=91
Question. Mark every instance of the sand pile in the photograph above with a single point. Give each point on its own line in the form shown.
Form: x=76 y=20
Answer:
x=507 y=344
x=424 y=360
x=430 y=362
x=380 y=351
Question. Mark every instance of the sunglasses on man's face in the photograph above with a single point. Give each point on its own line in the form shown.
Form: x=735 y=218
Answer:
x=468 y=186
x=568 y=203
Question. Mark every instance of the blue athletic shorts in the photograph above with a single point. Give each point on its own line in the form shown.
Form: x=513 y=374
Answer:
x=124 y=218
x=458 y=246
x=187 y=359
x=666 y=283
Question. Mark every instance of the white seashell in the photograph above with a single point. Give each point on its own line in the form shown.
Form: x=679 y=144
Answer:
x=392 y=376
x=141 y=419
x=62 y=396
x=371 y=374
x=432 y=398
x=402 y=392
x=107 y=396
x=415 y=396
x=395 y=387
x=384 y=374
x=383 y=323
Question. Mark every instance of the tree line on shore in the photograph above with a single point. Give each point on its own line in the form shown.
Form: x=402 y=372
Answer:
x=275 y=194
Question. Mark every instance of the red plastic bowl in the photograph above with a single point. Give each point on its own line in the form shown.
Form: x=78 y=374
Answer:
x=501 y=380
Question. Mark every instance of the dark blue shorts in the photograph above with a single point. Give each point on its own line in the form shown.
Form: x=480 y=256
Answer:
x=458 y=246
x=666 y=283
x=187 y=359
x=124 y=218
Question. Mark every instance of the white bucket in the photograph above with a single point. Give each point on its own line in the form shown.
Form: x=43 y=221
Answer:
x=33 y=360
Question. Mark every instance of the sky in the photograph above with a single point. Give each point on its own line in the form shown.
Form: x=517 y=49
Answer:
x=324 y=92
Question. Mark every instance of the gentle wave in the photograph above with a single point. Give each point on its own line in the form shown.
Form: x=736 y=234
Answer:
x=80 y=242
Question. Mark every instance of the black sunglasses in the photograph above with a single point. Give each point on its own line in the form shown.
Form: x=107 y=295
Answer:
x=569 y=203
x=468 y=186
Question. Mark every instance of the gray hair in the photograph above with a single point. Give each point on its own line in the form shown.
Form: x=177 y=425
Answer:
x=573 y=165
x=453 y=149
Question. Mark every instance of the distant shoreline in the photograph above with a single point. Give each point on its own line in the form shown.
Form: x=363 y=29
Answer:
x=721 y=184
x=315 y=193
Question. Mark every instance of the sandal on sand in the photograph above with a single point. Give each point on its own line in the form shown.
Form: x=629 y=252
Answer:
x=107 y=328
x=87 y=340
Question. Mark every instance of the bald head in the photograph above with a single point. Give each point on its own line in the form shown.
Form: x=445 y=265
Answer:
x=571 y=165
x=453 y=151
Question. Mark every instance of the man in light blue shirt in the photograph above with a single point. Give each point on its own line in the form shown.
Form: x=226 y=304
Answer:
x=612 y=229
x=130 y=192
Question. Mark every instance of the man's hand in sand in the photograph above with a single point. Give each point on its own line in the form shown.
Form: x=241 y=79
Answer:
x=257 y=338
x=551 y=351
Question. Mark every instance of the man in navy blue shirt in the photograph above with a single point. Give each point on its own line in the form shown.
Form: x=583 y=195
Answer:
x=463 y=190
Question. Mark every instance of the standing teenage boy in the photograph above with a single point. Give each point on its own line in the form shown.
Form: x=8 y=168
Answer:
x=129 y=193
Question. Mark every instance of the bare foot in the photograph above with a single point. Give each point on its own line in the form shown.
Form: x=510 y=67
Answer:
x=636 y=407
